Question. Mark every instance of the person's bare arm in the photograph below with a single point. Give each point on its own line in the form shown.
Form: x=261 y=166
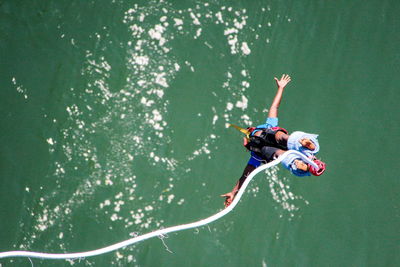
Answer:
x=231 y=195
x=273 y=110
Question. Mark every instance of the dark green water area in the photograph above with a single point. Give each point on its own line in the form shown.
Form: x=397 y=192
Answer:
x=114 y=123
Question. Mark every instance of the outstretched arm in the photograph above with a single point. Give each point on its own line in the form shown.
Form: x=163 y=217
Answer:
x=231 y=195
x=273 y=110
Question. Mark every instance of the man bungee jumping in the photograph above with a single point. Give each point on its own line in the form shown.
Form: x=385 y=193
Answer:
x=267 y=142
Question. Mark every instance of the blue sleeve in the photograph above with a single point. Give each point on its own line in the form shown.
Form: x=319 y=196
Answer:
x=254 y=160
x=271 y=122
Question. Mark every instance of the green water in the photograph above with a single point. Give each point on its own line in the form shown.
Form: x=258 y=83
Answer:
x=113 y=123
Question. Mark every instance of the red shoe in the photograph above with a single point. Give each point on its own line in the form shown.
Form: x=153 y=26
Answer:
x=321 y=168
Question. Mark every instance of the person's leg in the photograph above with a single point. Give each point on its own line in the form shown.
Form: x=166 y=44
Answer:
x=282 y=138
x=271 y=153
x=274 y=138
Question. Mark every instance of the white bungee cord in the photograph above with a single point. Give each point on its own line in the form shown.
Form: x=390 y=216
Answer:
x=159 y=232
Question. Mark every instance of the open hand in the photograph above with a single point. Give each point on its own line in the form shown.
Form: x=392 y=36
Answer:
x=285 y=79
x=228 y=198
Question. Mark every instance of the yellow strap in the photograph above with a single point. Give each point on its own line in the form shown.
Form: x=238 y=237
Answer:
x=245 y=131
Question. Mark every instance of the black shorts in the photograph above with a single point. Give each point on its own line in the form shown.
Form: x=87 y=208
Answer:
x=268 y=153
x=269 y=136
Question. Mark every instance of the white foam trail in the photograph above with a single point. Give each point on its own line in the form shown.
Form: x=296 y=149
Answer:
x=160 y=232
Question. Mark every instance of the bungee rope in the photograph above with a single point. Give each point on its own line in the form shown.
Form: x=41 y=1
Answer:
x=159 y=232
